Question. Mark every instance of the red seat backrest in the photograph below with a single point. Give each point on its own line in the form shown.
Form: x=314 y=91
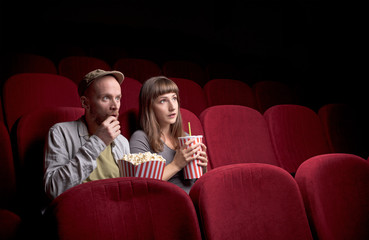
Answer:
x=335 y=191
x=345 y=128
x=250 y=201
x=236 y=134
x=229 y=92
x=296 y=134
x=130 y=94
x=191 y=94
x=76 y=67
x=140 y=69
x=125 y=208
x=25 y=92
x=184 y=69
x=271 y=93
x=32 y=131
x=30 y=63
x=195 y=124
x=7 y=172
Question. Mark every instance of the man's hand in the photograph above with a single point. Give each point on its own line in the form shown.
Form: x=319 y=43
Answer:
x=108 y=130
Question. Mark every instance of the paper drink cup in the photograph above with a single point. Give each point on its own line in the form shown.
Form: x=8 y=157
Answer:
x=192 y=170
x=150 y=169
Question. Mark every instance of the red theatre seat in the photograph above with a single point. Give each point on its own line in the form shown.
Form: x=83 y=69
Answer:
x=30 y=63
x=140 y=69
x=10 y=225
x=296 y=133
x=192 y=95
x=236 y=134
x=76 y=67
x=271 y=93
x=130 y=94
x=229 y=92
x=7 y=172
x=185 y=69
x=125 y=208
x=9 y=221
x=25 y=92
x=345 y=128
x=335 y=191
x=250 y=201
x=195 y=124
x=32 y=131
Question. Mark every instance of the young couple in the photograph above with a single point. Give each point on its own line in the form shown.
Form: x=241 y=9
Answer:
x=88 y=149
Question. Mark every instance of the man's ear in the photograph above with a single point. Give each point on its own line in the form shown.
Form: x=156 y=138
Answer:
x=85 y=103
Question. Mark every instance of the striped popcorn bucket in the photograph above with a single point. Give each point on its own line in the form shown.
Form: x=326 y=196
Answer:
x=151 y=169
x=192 y=170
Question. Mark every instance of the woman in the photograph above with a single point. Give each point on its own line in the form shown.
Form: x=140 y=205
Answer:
x=161 y=123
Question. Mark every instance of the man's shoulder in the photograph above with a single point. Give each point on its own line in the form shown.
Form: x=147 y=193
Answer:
x=65 y=126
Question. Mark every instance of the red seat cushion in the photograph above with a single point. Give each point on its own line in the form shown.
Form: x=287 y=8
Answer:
x=125 y=208
x=250 y=201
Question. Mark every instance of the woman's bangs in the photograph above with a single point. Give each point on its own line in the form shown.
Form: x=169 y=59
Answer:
x=165 y=86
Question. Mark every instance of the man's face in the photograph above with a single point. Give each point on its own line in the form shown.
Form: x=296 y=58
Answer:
x=103 y=99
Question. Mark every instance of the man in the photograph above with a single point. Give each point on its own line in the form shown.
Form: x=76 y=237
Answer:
x=87 y=149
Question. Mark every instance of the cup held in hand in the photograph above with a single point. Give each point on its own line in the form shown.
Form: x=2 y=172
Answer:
x=192 y=170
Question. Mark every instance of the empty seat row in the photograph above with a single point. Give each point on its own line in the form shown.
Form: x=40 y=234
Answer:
x=23 y=92
x=74 y=67
x=286 y=136
x=233 y=134
x=327 y=200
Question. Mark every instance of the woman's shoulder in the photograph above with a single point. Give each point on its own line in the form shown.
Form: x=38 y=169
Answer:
x=139 y=134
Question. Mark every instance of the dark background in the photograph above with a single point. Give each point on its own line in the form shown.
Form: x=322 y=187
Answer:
x=319 y=47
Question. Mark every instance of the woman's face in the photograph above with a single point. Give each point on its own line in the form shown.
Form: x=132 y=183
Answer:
x=166 y=109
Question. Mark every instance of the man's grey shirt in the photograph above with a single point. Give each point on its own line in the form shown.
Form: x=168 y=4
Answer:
x=70 y=155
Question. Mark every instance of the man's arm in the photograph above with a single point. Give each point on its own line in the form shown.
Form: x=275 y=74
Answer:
x=62 y=169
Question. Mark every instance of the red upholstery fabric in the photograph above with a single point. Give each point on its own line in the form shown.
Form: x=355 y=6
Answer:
x=271 y=93
x=125 y=208
x=30 y=63
x=191 y=94
x=229 y=92
x=236 y=134
x=9 y=225
x=296 y=134
x=130 y=94
x=76 y=67
x=184 y=69
x=250 y=201
x=2 y=119
x=25 y=92
x=7 y=173
x=188 y=116
x=140 y=69
x=335 y=191
x=345 y=128
x=31 y=135
x=129 y=122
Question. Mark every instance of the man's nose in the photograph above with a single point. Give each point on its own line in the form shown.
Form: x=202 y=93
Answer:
x=115 y=104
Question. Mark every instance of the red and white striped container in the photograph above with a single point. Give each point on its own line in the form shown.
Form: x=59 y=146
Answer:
x=192 y=170
x=150 y=169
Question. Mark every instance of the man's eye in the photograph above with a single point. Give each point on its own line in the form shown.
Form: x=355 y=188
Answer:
x=105 y=98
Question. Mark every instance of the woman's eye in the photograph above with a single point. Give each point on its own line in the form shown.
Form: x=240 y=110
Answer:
x=162 y=101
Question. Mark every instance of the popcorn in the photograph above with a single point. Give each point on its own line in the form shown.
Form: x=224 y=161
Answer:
x=139 y=158
x=147 y=165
